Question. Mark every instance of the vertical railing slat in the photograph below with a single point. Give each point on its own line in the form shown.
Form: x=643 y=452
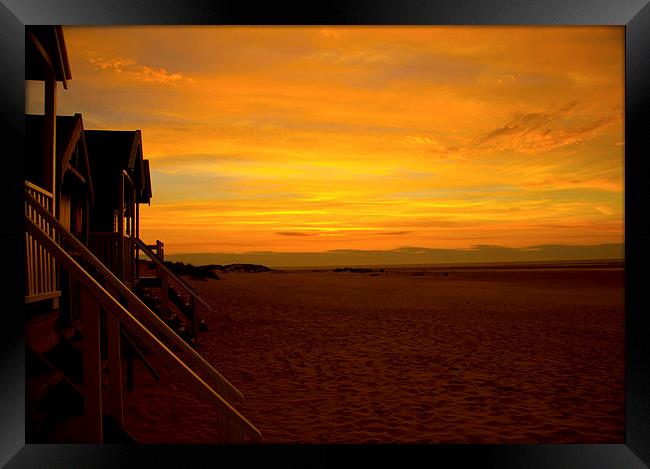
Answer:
x=32 y=265
x=46 y=266
x=41 y=278
x=28 y=271
x=41 y=269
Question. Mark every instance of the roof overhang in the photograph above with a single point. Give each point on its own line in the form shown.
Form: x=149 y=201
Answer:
x=76 y=139
x=46 y=53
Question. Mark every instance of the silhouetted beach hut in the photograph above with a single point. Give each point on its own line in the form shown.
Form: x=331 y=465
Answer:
x=72 y=174
x=83 y=188
x=74 y=192
x=46 y=60
x=122 y=181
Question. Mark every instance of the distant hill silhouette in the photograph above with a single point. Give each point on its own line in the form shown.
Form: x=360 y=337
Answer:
x=247 y=268
x=200 y=271
x=357 y=270
x=208 y=270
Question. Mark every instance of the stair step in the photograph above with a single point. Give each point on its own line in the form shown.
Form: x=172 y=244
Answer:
x=75 y=341
x=42 y=330
x=182 y=305
x=35 y=364
x=68 y=358
x=115 y=433
x=71 y=333
x=61 y=401
x=38 y=386
x=148 y=282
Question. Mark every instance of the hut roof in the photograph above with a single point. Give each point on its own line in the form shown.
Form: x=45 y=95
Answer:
x=120 y=149
x=112 y=151
x=146 y=192
x=69 y=137
x=45 y=50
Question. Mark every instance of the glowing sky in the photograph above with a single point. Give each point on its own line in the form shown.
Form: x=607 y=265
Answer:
x=321 y=138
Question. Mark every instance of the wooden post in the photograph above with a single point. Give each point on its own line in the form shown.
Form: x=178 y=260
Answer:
x=129 y=368
x=160 y=249
x=115 y=400
x=92 y=367
x=49 y=114
x=86 y=221
x=134 y=204
x=120 y=228
x=49 y=137
x=159 y=252
x=164 y=285
x=132 y=248
x=137 y=236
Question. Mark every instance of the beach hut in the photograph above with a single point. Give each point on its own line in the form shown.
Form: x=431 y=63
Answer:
x=72 y=169
x=80 y=304
x=123 y=183
x=73 y=194
x=46 y=61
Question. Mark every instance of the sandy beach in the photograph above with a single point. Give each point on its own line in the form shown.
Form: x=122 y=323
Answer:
x=479 y=355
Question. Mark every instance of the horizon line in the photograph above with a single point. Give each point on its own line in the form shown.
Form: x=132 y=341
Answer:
x=403 y=249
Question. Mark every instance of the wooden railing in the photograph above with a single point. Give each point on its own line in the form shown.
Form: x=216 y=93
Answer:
x=166 y=275
x=133 y=317
x=116 y=251
x=40 y=269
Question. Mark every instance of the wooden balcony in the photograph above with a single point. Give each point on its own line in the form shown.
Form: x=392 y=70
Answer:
x=117 y=252
x=41 y=281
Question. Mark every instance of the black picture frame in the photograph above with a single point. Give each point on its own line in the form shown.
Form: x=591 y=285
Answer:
x=634 y=15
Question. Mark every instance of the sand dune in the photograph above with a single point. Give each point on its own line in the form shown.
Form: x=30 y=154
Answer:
x=479 y=356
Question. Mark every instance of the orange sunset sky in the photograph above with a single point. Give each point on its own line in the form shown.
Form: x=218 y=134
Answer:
x=294 y=139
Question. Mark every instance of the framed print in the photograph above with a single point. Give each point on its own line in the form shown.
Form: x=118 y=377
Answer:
x=309 y=235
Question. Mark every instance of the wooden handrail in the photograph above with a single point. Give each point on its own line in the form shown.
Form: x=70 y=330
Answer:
x=36 y=188
x=135 y=303
x=188 y=288
x=128 y=178
x=112 y=306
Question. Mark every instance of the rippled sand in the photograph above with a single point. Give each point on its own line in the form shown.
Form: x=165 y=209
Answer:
x=407 y=355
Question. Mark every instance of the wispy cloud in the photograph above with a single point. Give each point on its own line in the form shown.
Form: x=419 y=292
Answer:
x=294 y=233
x=138 y=72
x=538 y=132
x=527 y=133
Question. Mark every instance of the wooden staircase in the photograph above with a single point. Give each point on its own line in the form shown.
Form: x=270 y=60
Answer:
x=172 y=298
x=178 y=316
x=74 y=388
x=55 y=400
